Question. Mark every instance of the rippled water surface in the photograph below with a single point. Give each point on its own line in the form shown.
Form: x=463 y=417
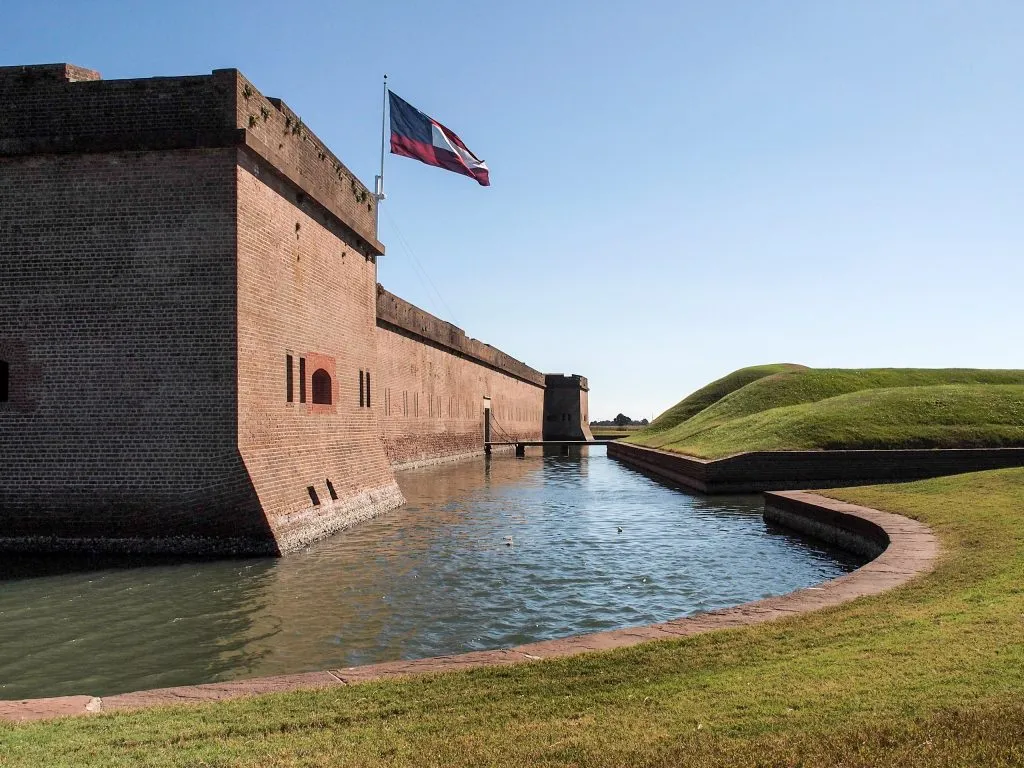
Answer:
x=485 y=554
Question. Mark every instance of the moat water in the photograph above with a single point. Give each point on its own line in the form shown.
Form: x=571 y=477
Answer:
x=485 y=554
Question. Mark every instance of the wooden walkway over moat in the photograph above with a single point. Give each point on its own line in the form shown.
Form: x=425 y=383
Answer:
x=522 y=445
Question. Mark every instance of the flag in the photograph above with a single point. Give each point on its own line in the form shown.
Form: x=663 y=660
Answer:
x=416 y=135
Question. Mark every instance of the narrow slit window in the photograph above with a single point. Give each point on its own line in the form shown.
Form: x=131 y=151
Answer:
x=330 y=489
x=5 y=381
x=302 y=379
x=361 y=390
x=312 y=495
x=368 y=389
x=289 y=378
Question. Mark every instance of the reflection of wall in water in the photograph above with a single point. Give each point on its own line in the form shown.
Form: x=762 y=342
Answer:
x=166 y=625
x=354 y=589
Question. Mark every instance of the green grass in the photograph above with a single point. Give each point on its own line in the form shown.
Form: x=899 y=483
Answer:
x=819 y=409
x=710 y=394
x=929 y=674
x=605 y=433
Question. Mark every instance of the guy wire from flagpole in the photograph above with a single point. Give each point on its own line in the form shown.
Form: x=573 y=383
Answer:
x=379 y=181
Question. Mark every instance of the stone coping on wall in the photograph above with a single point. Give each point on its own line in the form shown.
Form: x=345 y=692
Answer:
x=756 y=471
x=571 y=381
x=906 y=549
x=395 y=313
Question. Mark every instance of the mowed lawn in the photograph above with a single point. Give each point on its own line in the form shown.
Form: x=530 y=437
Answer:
x=785 y=407
x=612 y=433
x=929 y=674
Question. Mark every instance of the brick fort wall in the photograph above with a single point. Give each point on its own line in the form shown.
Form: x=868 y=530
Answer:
x=432 y=383
x=566 y=407
x=306 y=300
x=195 y=351
x=117 y=318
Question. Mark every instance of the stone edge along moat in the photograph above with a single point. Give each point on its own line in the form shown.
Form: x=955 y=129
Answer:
x=755 y=471
x=901 y=549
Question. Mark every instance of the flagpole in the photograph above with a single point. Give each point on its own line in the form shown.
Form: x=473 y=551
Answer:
x=379 y=192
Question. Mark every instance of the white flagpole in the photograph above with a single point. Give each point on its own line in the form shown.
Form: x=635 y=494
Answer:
x=379 y=181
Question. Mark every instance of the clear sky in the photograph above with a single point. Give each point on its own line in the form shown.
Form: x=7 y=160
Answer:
x=679 y=188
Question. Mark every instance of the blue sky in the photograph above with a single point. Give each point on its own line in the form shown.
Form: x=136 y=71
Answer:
x=678 y=188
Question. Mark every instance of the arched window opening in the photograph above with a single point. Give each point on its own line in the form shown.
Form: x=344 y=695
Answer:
x=5 y=378
x=321 y=387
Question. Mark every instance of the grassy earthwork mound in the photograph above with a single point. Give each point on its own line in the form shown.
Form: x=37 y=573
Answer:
x=613 y=433
x=711 y=393
x=928 y=674
x=794 y=408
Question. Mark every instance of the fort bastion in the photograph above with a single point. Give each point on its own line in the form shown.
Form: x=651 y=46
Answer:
x=195 y=354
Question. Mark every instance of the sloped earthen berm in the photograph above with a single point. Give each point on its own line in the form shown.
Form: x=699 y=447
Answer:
x=901 y=549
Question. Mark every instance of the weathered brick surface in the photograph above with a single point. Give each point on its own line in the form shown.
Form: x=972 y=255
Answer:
x=58 y=103
x=166 y=244
x=566 y=407
x=429 y=394
x=304 y=291
x=290 y=145
x=117 y=308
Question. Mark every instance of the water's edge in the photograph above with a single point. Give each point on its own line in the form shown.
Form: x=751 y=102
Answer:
x=911 y=549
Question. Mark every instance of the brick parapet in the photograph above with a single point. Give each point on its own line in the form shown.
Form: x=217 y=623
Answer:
x=303 y=157
x=26 y=74
x=39 y=106
x=399 y=315
x=62 y=109
x=566 y=381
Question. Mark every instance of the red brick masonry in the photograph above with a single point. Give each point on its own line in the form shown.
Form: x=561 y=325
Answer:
x=905 y=548
x=180 y=256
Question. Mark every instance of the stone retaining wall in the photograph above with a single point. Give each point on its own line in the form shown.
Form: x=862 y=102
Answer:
x=780 y=470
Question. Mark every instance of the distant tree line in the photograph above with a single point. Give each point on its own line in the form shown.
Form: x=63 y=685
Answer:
x=622 y=420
